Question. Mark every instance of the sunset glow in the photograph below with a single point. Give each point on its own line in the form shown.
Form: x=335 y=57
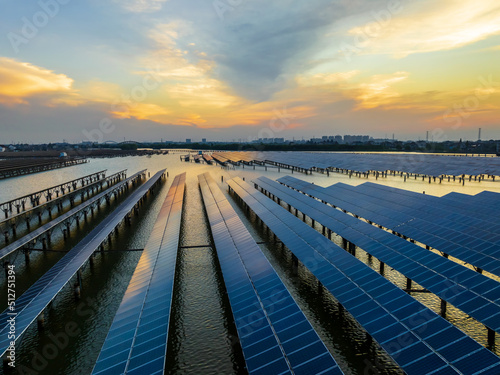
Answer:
x=160 y=68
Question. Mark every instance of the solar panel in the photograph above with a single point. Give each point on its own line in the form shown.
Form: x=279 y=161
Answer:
x=48 y=226
x=447 y=279
x=283 y=336
x=44 y=290
x=137 y=339
x=389 y=318
x=422 y=164
x=430 y=231
x=455 y=211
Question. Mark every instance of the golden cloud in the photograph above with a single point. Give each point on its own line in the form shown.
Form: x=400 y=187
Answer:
x=379 y=90
x=320 y=79
x=20 y=81
x=430 y=26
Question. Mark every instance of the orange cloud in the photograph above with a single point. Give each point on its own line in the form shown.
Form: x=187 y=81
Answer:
x=379 y=90
x=20 y=81
x=140 y=111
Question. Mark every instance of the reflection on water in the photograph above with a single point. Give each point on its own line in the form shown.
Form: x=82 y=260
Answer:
x=202 y=333
x=200 y=336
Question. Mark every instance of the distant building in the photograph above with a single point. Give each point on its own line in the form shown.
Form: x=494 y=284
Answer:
x=188 y=140
x=349 y=139
x=203 y=140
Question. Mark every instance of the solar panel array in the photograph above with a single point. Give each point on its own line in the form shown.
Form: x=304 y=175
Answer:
x=137 y=339
x=25 y=240
x=41 y=197
x=275 y=336
x=433 y=221
x=419 y=340
x=475 y=294
x=32 y=302
x=425 y=164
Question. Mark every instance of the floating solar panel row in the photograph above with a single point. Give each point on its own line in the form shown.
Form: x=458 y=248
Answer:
x=25 y=204
x=32 y=302
x=275 y=335
x=486 y=197
x=473 y=293
x=445 y=230
x=137 y=339
x=419 y=340
x=430 y=165
x=235 y=157
x=9 y=249
x=450 y=213
x=472 y=250
x=220 y=158
x=251 y=322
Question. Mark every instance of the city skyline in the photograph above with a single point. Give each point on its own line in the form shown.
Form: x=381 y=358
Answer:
x=152 y=69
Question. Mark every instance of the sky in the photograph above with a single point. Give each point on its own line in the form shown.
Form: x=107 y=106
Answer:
x=146 y=70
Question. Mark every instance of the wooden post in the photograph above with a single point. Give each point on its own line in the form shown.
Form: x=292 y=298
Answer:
x=491 y=337
x=443 y=308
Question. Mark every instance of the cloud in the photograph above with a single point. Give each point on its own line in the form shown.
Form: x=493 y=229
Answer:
x=20 y=81
x=141 y=6
x=140 y=111
x=99 y=91
x=429 y=26
x=379 y=90
x=320 y=79
x=260 y=45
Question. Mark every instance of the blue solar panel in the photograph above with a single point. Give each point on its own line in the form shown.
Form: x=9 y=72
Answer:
x=429 y=165
x=448 y=280
x=285 y=340
x=137 y=338
x=44 y=290
x=446 y=239
x=387 y=322
x=453 y=215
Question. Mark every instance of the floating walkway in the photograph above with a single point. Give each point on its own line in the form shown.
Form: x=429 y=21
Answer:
x=67 y=218
x=475 y=294
x=419 y=340
x=46 y=195
x=274 y=333
x=137 y=340
x=53 y=197
x=19 y=167
x=32 y=303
